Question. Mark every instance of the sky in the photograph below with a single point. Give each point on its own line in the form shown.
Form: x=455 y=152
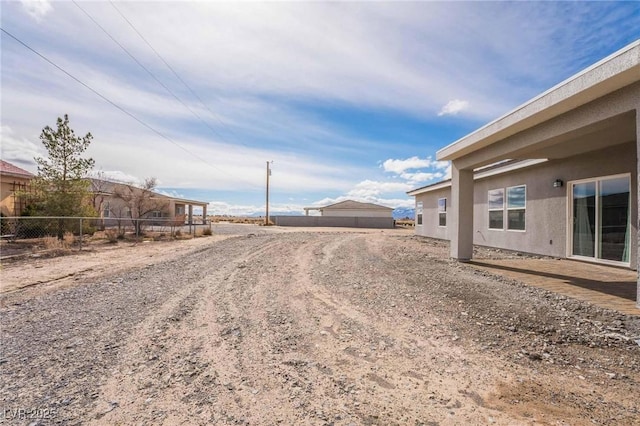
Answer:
x=349 y=100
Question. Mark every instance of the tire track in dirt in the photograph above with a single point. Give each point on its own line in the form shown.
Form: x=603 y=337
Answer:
x=386 y=365
x=171 y=372
x=272 y=343
x=294 y=328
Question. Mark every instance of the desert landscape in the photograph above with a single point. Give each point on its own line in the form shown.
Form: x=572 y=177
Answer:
x=260 y=325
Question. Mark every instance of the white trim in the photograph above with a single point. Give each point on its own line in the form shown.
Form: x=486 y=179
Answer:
x=507 y=208
x=501 y=209
x=430 y=188
x=419 y=211
x=569 y=221
x=442 y=212
x=509 y=168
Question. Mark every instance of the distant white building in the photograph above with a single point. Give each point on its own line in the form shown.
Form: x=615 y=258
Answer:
x=347 y=214
x=350 y=208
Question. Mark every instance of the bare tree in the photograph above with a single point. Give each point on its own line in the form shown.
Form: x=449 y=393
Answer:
x=141 y=202
x=99 y=189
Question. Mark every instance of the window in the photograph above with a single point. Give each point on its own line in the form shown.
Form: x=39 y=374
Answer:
x=419 y=213
x=156 y=214
x=105 y=210
x=442 y=212
x=496 y=208
x=516 y=207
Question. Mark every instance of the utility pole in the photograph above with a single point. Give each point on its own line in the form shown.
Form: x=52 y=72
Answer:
x=266 y=217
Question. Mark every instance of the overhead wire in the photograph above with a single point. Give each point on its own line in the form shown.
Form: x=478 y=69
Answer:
x=115 y=105
x=184 y=83
x=124 y=49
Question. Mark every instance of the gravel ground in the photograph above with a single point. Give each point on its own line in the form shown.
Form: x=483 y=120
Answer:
x=313 y=328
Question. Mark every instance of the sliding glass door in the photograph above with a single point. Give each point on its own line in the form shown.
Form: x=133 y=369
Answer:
x=584 y=219
x=601 y=219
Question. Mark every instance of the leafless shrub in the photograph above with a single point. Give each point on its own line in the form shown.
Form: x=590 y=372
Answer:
x=112 y=235
x=68 y=240
x=51 y=243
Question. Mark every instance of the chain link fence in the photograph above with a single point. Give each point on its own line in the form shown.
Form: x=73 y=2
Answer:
x=74 y=232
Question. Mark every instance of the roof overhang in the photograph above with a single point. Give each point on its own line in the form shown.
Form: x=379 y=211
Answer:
x=616 y=71
x=181 y=200
x=481 y=173
x=17 y=175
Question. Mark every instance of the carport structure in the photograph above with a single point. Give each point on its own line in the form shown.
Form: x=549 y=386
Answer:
x=588 y=128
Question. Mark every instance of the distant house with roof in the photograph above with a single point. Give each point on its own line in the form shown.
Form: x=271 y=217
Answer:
x=115 y=200
x=346 y=214
x=13 y=180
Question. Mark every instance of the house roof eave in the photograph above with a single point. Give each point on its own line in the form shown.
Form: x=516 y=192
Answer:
x=612 y=73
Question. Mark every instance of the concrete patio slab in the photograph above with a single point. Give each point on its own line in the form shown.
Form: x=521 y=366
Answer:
x=604 y=286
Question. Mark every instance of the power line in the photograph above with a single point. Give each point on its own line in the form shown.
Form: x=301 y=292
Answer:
x=214 y=115
x=148 y=126
x=146 y=69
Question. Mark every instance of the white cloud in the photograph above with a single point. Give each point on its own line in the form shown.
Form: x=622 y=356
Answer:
x=19 y=150
x=453 y=107
x=443 y=165
x=270 y=71
x=422 y=169
x=369 y=188
x=447 y=172
x=370 y=191
x=388 y=202
x=173 y=193
x=412 y=163
x=214 y=44
x=117 y=176
x=399 y=166
x=223 y=208
x=415 y=178
x=37 y=9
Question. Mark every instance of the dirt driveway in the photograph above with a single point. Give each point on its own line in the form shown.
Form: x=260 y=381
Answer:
x=310 y=328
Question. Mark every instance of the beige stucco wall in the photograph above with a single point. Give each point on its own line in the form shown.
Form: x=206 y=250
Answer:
x=357 y=212
x=430 y=227
x=547 y=208
x=7 y=198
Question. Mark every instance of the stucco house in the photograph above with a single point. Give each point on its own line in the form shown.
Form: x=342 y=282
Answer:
x=556 y=176
x=113 y=200
x=12 y=180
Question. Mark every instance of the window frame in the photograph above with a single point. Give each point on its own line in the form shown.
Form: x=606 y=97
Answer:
x=442 y=212
x=519 y=208
x=495 y=209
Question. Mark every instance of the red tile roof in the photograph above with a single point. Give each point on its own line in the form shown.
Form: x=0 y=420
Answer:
x=9 y=169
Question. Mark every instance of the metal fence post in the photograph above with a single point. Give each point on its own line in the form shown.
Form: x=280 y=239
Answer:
x=80 y=249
